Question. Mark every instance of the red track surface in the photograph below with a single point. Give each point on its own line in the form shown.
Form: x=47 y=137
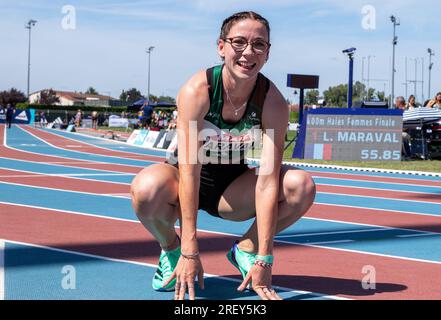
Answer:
x=62 y=183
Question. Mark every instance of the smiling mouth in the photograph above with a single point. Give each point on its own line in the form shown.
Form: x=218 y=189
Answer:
x=246 y=65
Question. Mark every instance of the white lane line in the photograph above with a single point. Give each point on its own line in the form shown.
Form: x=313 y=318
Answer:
x=418 y=235
x=330 y=242
x=334 y=232
x=2 y=269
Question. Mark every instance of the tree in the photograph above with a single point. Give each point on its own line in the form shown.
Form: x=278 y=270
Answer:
x=312 y=97
x=153 y=98
x=167 y=99
x=131 y=95
x=370 y=94
x=48 y=97
x=91 y=90
x=12 y=96
x=337 y=96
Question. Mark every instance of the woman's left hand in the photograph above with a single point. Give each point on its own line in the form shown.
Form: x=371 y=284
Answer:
x=261 y=283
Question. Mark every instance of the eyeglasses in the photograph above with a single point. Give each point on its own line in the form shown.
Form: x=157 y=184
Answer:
x=239 y=44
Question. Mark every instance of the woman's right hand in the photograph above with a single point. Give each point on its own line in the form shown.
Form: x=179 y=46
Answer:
x=185 y=273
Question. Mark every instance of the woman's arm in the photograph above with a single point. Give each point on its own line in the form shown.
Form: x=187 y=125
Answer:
x=193 y=103
x=274 y=119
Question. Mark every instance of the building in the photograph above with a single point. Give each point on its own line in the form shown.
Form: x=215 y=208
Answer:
x=68 y=98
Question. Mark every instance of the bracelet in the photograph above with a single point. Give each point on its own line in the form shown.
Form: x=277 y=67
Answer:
x=267 y=259
x=190 y=256
x=263 y=264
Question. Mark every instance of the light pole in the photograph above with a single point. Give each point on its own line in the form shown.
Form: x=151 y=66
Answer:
x=368 y=75
x=422 y=80
x=415 y=81
x=394 y=43
x=362 y=71
x=31 y=23
x=149 y=51
x=407 y=80
x=350 y=52
x=431 y=53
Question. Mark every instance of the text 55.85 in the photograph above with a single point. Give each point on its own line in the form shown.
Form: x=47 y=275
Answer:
x=373 y=154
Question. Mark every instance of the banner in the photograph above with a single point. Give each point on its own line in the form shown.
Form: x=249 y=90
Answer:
x=20 y=116
x=133 y=136
x=150 y=139
x=351 y=135
x=160 y=140
x=141 y=137
x=116 y=121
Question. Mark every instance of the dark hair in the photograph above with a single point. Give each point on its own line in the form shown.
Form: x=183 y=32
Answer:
x=410 y=97
x=230 y=21
x=401 y=100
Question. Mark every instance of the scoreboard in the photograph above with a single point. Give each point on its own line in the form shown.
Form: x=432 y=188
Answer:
x=351 y=135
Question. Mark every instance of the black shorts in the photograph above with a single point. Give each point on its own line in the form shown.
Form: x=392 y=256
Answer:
x=215 y=179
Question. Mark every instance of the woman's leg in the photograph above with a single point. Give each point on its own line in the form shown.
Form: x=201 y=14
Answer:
x=155 y=200
x=238 y=203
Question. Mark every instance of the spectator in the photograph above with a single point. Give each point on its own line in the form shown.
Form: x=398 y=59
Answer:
x=172 y=124
x=435 y=102
x=10 y=110
x=147 y=111
x=43 y=120
x=37 y=119
x=95 y=120
x=411 y=105
x=78 y=118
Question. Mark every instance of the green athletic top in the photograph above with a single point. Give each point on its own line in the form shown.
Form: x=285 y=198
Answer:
x=225 y=142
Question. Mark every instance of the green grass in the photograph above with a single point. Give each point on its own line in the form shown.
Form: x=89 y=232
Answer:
x=119 y=129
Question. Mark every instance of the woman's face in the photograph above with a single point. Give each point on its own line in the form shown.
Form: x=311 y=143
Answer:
x=438 y=98
x=412 y=101
x=247 y=63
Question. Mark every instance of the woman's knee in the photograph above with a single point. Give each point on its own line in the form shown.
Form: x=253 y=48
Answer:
x=299 y=188
x=152 y=189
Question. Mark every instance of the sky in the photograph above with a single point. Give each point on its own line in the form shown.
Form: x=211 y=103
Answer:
x=77 y=44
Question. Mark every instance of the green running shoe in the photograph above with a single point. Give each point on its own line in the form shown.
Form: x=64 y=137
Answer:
x=242 y=260
x=167 y=264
